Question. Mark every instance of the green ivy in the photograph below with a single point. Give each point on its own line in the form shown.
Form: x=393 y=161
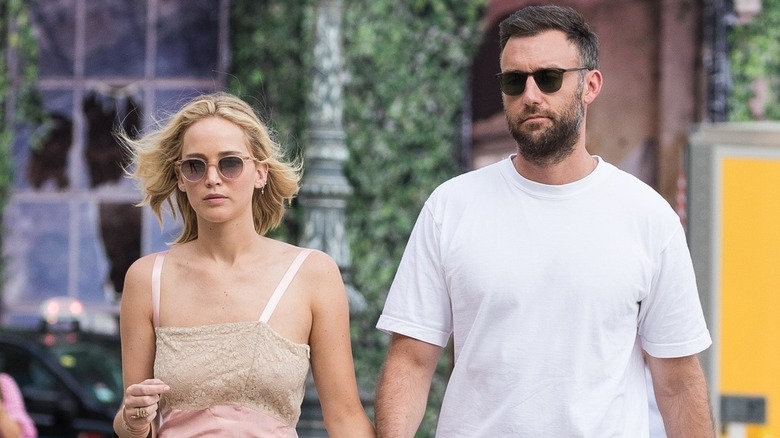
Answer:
x=21 y=98
x=403 y=121
x=755 y=54
x=402 y=116
x=270 y=59
x=270 y=70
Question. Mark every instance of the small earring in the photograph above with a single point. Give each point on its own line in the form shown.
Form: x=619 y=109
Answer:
x=262 y=190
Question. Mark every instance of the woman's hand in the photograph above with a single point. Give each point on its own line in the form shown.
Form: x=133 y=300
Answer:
x=141 y=404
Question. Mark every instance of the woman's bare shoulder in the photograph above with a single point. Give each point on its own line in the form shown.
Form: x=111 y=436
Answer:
x=317 y=262
x=315 y=259
x=140 y=271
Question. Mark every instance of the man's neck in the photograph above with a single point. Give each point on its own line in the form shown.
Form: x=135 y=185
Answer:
x=573 y=168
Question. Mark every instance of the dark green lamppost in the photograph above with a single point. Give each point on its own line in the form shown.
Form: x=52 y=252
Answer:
x=325 y=189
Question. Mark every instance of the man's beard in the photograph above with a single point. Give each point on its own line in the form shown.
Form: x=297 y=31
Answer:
x=551 y=145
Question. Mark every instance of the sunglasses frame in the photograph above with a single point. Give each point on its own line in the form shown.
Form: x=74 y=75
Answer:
x=537 y=73
x=207 y=164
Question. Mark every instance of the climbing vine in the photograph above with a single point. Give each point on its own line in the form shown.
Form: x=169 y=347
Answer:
x=755 y=66
x=270 y=69
x=403 y=121
x=19 y=98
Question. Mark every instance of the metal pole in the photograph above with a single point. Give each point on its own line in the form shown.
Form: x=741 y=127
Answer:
x=325 y=189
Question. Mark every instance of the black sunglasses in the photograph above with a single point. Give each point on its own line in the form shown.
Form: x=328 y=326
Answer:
x=229 y=167
x=549 y=80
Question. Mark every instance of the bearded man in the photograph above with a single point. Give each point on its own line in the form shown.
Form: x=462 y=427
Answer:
x=553 y=272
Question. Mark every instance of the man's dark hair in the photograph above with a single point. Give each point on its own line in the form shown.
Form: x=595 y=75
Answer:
x=533 y=20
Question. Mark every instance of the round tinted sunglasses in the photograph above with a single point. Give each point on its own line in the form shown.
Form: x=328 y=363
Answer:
x=549 y=80
x=229 y=167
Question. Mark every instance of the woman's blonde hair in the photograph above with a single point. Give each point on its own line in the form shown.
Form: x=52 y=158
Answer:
x=154 y=156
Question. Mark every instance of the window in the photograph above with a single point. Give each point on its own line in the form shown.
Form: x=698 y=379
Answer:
x=71 y=227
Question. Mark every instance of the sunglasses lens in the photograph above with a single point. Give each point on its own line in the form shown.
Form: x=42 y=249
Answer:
x=549 y=81
x=513 y=83
x=192 y=169
x=231 y=167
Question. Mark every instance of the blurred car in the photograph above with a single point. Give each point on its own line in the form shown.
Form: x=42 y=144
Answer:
x=71 y=380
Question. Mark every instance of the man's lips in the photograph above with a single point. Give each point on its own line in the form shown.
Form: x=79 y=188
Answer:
x=534 y=117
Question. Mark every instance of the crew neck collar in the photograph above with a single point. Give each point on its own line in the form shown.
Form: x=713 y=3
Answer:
x=553 y=190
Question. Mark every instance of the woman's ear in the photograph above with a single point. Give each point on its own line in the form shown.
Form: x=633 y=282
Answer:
x=180 y=182
x=261 y=175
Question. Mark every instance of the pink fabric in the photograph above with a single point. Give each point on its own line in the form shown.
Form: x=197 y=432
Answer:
x=282 y=286
x=224 y=421
x=156 y=272
x=14 y=405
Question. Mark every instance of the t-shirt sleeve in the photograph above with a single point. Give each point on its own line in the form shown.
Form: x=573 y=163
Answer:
x=418 y=303
x=671 y=321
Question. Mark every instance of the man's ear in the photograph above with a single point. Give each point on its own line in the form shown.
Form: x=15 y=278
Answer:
x=593 y=83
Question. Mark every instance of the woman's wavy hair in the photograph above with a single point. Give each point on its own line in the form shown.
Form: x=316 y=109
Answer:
x=154 y=156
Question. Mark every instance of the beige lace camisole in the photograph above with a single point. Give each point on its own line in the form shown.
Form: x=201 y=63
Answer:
x=231 y=379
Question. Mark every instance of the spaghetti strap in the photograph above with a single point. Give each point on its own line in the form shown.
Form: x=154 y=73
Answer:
x=282 y=287
x=156 y=272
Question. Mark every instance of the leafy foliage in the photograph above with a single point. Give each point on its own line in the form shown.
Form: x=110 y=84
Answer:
x=270 y=59
x=402 y=116
x=755 y=55
x=18 y=93
x=270 y=41
x=403 y=122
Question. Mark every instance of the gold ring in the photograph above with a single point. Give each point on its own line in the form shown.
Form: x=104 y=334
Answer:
x=139 y=413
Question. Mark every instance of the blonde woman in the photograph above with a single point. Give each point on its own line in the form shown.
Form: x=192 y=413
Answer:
x=218 y=333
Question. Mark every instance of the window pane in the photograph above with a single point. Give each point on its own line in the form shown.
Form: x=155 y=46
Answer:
x=170 y=101
x=41 y=152
x=188 y=38
x=160 y=238
x=116 y=30
x=120 y=228
x=94 y=284
x=104 y=156
x=55 y=23
x=37 y=252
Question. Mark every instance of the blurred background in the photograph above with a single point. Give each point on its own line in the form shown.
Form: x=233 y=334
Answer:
x=385 y=100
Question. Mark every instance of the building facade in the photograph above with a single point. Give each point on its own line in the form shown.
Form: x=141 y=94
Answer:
x=71 y=227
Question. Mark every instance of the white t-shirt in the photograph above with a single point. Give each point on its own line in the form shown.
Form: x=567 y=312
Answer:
x=550 y=293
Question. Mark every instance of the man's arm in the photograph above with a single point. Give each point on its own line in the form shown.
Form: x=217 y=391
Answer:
x=682 y=396
x=402 y=393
